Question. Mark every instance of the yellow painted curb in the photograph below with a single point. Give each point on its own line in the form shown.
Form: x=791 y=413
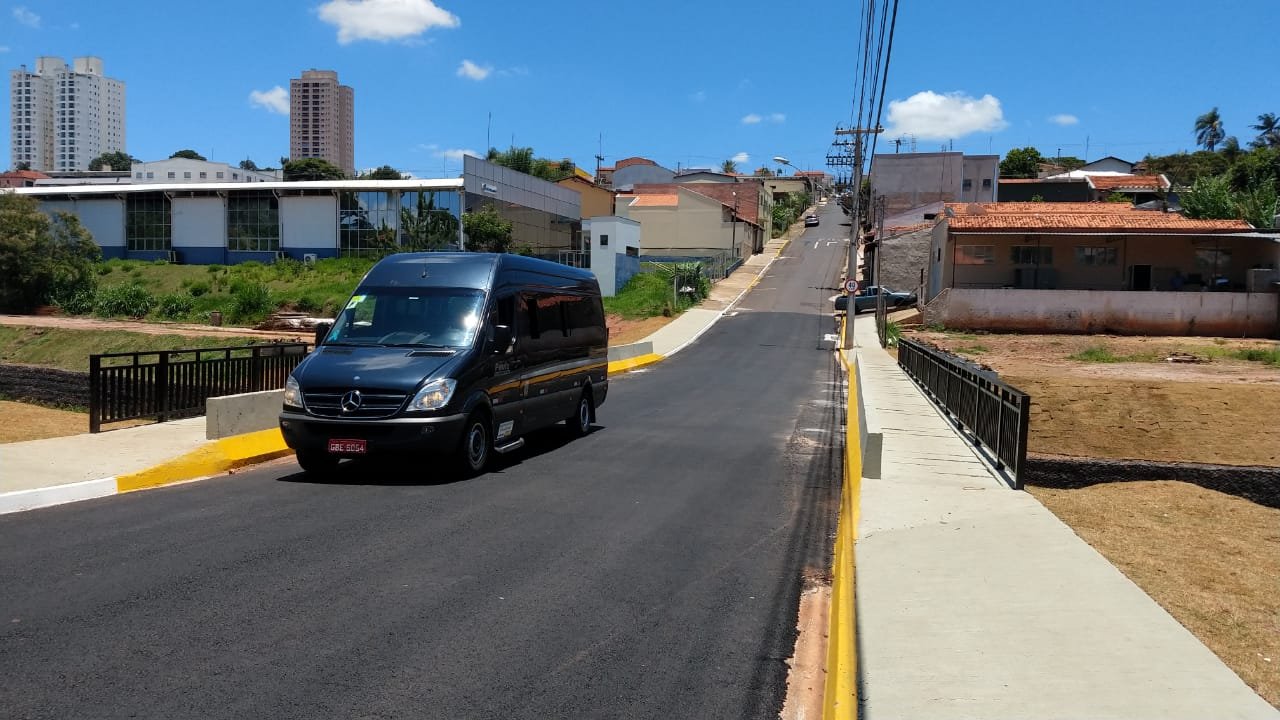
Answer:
x=216 y=457
x=840 y=696
x=621 y=366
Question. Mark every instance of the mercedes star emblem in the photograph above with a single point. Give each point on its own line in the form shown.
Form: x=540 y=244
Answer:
x=351 y=401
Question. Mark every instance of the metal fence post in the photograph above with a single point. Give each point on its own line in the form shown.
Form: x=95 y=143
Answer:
x=95 y=393
x=1024 y=427
x=162 y=386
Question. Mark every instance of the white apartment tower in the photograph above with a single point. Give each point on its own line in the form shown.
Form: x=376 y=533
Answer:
x=63 y=116
x=322 y=119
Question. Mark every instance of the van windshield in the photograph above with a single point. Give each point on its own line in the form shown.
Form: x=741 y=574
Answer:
x=409 y=317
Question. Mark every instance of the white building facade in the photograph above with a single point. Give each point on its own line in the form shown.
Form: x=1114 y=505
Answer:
x=63 y=116
x=186 y=170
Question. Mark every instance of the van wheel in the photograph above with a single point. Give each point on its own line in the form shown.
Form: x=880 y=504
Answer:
x=317 y=463
x=476 y=445
x=580 y=421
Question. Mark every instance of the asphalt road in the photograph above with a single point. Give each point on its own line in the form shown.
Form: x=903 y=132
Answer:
x=649 y=570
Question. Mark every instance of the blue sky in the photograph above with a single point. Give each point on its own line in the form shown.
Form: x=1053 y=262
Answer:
x=689 y=82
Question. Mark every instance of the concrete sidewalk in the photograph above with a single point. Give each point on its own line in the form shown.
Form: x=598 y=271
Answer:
x=974 y=601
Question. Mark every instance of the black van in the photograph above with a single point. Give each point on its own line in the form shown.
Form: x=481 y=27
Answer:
x=461 y=354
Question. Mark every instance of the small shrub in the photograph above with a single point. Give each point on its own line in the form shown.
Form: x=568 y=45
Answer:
x=79 y=303
x=213 y=269
x=105 y=269
x=196 y=289
x=174 y=306
x=250 y=302
x=123 y=301
x=1097 y=354
x=892 y=333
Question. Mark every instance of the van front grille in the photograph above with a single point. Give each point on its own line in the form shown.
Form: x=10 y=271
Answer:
x=373 y=404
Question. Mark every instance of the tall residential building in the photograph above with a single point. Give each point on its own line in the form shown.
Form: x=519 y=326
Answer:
x=322 y=119
x=63 y=116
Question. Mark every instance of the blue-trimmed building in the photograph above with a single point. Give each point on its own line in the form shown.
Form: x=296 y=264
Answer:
x=225 y=223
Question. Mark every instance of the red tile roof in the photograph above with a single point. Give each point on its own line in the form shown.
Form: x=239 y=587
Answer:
x=1085 y=217
x=625 y=162
x=1128 y=182
x=663 y=200
x=24 y=174
x=747 y=201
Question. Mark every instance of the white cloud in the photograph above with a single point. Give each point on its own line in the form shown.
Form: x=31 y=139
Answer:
x=777 y=118
x=384 y=20
x=472 y=71
x=275 y=100
x=752 y=119
x=741 y=158
x=26 y=17
x=517 y=71
x=455 y=154
x=931 y=116
x=700 y=96
x=4 y=48
x=1064 y=119
x=755 y=118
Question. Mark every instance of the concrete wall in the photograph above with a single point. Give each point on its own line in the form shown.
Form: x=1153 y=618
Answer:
x=698 y=227
x=1214 y=314
x=239 y=414
x=909 y=180
x=626 y=352
x=622 y=233
x=200 y=229
x=983 y=174
x=309 y=225
x=631 y=175
x=904 y=257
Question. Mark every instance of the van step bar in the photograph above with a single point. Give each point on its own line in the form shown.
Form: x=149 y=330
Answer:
x=513 y=445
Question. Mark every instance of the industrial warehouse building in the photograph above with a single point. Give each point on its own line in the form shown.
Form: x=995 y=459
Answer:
x=224 y=223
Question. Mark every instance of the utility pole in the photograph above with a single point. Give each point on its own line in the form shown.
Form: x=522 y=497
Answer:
x=882 y=319
x=855 y=233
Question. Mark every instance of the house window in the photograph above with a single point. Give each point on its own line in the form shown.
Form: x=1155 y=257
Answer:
x=172 y=174
x=968 y=185
x=1092 y=256
x=604 y=240
x=203 y=175
x=148 y=222
x=186 y=175
x=1215 y=260
x=150 y=175
x=986 y=183
x=1031 y=255
x=975 y=255
x=221 y=174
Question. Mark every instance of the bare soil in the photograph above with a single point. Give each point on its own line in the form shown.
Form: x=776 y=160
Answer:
x=20 y=422
x=1211 y=560
x=149 y=328
x=625 y=332
x=1221 y=410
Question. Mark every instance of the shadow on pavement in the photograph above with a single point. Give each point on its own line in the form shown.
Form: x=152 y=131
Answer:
x=428 y=470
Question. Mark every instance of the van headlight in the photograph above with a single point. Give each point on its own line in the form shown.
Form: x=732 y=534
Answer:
x=434 y=395
x=292 y=393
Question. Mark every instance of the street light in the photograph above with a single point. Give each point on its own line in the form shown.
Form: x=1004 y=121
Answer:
x=783 y=161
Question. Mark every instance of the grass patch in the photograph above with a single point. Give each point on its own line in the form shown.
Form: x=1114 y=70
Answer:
x=70 y=349
x=973 y=349
x=1103 y=354
x=245 y=293
x=24 y=421
x=647 y=294
x=1267 y=356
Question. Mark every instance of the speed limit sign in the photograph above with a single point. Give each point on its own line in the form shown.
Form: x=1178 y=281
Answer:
x=851 y=286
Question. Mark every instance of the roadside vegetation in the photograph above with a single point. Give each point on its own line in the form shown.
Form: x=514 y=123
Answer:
x=70 y=349
x=660 y=290
x=1202 y=353
x=788 y=210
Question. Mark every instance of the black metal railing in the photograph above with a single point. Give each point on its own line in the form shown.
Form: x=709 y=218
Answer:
x=171 y=384
x=994 y=413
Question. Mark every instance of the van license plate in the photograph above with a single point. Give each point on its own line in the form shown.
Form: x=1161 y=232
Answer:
x=347 y=447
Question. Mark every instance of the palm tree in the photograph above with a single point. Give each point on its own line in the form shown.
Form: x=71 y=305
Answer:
x=1268 y=128
x=1209 y=130
x=1230 y=148
x=729 y=167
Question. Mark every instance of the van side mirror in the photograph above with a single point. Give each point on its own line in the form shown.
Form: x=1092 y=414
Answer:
x=322 y=331
x=842 y=303
x=502 y=337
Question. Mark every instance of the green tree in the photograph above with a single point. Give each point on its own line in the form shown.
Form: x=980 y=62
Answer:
x=1268 y=128
x=247 y=164
x=24 y=165
x=522 y=159
x=764 y=172
x=487 y=231
x=1208 y=129
x=1186 y=168
x=117 y=160
x=188 y=154
x=728 y=167
x=312 y=169
x=1021 y=163
x=386 y=172
x=1230 y=149
x=1256 y=169
x=1257 y=206
x=1116 y=197
x=1067 y=162
x=45 y=259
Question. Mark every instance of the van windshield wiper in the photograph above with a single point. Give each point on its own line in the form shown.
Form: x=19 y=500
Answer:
x=418 y=345
x=343 y=343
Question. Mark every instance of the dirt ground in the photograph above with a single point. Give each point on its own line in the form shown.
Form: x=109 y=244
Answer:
x=624 y=332
x=150 y=328
x=20 y=421
x=1211 y=560
x=1221 y=410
